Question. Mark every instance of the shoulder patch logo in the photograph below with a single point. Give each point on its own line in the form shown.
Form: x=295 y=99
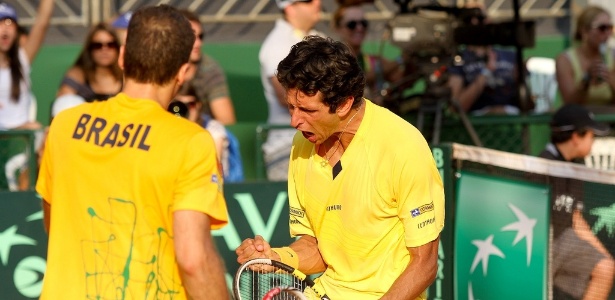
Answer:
x=421 y=209
x=297 y=212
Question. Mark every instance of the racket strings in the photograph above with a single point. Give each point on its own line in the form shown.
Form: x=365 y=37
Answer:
x=256 y=281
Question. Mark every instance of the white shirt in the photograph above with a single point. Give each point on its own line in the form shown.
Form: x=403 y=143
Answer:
x=274 y=49
x=14 y=114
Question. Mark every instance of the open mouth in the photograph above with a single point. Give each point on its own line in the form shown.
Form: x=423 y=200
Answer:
x=308 y=136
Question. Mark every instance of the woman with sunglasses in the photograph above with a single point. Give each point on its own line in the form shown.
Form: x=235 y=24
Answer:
x=350 y=24
x=585 y=72
x=96 y=75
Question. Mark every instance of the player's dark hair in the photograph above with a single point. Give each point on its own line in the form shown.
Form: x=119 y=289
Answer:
x=158 y=43
x=323 y=65
x=558 y=137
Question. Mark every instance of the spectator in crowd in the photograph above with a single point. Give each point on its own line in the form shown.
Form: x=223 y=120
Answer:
x=17 y=102
x=120 y=24
x=350 y=24
x=586 y=72
x=366 y=199
x=227 y=145
x=207 y=78
x=15 y=60
x=582 y=267
x=130 y=192
x=23 y=35
x=95 y=75
x=485 y=82
x=298 y=20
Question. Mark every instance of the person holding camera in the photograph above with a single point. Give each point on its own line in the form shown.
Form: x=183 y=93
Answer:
x=485 y=82
x=586 y=72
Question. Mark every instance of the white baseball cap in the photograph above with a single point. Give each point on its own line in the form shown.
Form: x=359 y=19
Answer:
x=282 y=4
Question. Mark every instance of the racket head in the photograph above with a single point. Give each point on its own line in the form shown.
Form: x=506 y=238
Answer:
x=257 y=277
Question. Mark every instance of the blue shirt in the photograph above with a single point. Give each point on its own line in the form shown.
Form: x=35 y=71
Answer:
x=501 y=89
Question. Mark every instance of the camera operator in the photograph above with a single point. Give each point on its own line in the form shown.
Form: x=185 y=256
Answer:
x=486 y=80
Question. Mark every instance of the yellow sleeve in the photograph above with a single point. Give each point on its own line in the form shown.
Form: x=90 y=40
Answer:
x=420 y=195
x=199 y=185
x=298 y=221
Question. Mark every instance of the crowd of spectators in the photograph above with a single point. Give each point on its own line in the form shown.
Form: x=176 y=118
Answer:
x=483 y=81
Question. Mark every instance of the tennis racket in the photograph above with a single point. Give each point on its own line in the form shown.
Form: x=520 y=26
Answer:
x=266 y=279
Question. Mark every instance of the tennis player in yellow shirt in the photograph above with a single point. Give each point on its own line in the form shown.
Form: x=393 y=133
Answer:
x=131 y=192
x=366 y=199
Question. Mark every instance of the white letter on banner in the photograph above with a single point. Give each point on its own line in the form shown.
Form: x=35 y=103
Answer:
x=230 y=235
x=249 y=208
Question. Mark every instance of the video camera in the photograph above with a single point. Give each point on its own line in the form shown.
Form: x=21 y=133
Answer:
x=429 y=37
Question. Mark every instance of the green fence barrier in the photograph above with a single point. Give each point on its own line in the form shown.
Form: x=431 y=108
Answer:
x=17 y=150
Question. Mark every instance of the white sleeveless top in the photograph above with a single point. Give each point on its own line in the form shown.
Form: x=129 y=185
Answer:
x=14 y=114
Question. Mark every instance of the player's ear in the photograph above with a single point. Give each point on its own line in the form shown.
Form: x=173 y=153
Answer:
x=181 y=75
x=345 y=107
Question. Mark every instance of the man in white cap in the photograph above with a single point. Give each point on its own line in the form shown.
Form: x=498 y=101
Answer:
x=298 y=20
x=120 y=24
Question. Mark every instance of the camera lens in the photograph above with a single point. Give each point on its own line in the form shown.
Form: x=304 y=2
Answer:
x=178 y=108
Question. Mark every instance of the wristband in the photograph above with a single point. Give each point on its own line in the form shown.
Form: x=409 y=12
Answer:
x=287 y=256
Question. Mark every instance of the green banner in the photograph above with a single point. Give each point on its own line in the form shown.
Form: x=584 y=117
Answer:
x=501 y=238
x=254 y=208
x=23 y=246
x=442 y=288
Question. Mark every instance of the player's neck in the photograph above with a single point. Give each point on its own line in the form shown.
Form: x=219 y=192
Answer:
x=163 y=94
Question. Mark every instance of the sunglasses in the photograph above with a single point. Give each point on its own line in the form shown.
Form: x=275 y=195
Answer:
x=352 y=25
x=98 y=46
x=604 y=27
x=192 y=104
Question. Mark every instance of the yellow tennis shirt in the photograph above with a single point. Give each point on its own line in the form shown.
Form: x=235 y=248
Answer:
x=388 y=196
x=114 y=172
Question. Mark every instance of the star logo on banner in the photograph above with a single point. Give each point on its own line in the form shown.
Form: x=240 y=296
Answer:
x=9 y=238
x=525 y=229
x=606 y=219
x=485 y=249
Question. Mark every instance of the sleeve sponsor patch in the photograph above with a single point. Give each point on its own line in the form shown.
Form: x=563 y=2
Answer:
x=296 y=212
x=421 y=209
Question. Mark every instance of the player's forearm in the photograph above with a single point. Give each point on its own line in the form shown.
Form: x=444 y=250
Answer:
x=205 y=280
x=310 y=260
x=411 y=283
x=418 y=275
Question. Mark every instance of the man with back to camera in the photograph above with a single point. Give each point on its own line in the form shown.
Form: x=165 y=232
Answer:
x=298 y=21
x=130 y=192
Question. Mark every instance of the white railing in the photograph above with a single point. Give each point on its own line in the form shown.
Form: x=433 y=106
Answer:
x=85 y=12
